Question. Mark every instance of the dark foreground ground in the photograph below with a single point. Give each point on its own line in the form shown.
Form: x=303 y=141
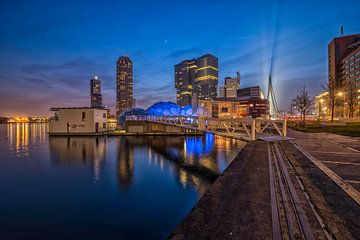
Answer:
x=238 y=205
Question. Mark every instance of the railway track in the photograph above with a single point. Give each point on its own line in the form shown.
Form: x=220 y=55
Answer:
x=289 y=220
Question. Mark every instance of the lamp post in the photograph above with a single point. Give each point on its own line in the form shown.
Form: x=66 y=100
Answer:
x=340 y=94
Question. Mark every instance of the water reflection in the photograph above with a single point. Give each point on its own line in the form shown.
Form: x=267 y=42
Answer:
x=70 y=151
x=125 y=160
x=191 y=159
x=115 y=184
x=23 y=135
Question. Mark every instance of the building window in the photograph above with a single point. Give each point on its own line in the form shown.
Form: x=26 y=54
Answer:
x=83 y=116
x=224 y=109
x=104 y=115
x=104 y=125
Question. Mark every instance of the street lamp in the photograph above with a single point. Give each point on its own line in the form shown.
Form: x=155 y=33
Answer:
x=343 y=107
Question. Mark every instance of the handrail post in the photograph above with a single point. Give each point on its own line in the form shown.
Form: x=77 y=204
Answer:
x=253 y=130
x=284 y=127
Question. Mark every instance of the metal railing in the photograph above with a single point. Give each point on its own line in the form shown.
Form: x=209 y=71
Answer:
x=245 y=128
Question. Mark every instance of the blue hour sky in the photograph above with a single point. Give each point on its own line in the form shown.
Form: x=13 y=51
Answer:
x=51 y=49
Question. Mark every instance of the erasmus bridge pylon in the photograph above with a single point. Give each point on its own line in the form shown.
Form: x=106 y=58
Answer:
x=271 y=97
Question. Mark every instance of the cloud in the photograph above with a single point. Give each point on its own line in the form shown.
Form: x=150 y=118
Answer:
x=185 y=52
x=152 y=95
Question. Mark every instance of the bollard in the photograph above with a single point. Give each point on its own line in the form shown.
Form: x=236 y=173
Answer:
x=253 y=130
x=284 y=127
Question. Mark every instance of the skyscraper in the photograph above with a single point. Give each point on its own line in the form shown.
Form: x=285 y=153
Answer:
x=344 y=72
x=338 y=49
x=232 y=85
x=206 y=82
x=95 y=93
x=124 y=85
x=196 y=79
x=185 y=73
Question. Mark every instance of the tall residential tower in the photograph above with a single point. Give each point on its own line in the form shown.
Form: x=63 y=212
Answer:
x=124 y=85
x=206 y=83
x=185 y=73
x=344 y=73
x=95 y=93
x=196 y=79
x=339 y=49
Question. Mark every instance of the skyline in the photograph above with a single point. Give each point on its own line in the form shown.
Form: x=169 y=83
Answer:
x=48 y=58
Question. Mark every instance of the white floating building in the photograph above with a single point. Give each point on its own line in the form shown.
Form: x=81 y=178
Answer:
x=78 y=121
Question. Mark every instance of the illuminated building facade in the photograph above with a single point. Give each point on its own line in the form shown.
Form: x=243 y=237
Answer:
x=249 y=102
x=196 y=79
x=231 y=86
x=321 y=105
x=124 y=85
x=344 y=72
x=95 y=93
x=206 y=82
x=250 y=93
x=78 y=121
x=222 y=92
x=185 y=73
x=234 y=108
x=339 y=49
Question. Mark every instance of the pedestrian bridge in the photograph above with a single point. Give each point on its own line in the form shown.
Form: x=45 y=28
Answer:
x=245 y=129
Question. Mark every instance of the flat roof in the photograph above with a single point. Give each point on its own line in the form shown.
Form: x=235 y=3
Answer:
x=59 y=108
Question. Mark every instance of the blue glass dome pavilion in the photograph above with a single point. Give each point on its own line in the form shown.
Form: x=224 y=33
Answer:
x=164 y=109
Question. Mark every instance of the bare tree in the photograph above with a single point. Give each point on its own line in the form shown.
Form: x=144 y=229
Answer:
x=351 y=97
x=303 y=103
x=332 y=89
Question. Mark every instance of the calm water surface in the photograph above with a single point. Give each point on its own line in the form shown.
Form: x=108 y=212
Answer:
x=101 y=187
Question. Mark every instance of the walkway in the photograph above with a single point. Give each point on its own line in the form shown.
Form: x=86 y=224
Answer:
x=339 y=153
x=240 y=203
x=237 y=205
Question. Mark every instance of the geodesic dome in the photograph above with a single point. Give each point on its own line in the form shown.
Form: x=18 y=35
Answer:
x=164 y=109
x=130 y=112
x=186 y=111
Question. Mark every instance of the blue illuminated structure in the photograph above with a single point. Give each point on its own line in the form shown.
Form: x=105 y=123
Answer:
x=187 y=111
x=130 y=112
x=164 y=109
x=157 y=109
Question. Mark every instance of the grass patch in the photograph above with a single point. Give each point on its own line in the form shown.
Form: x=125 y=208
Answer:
x=349 y=129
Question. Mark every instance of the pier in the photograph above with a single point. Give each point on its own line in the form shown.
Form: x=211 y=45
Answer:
x=278 y=190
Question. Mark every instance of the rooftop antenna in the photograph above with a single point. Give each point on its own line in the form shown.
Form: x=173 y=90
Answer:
x=342 y=31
